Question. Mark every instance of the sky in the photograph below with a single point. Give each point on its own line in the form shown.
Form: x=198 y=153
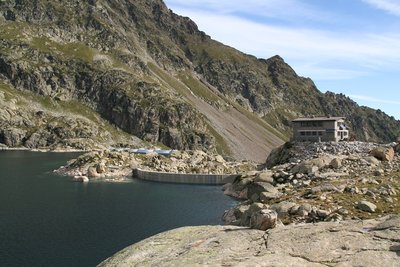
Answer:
x=344 y=46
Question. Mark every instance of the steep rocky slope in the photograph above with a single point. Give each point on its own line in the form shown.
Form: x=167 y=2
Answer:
x=39 y=122
x=154 y=75
x=119 y=59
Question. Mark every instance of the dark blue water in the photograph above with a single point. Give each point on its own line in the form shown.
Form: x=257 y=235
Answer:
x=47 y=220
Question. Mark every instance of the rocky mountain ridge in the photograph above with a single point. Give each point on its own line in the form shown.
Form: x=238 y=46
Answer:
x=154 y=75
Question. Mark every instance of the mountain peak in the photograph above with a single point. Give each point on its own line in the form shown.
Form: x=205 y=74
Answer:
x=152 y=74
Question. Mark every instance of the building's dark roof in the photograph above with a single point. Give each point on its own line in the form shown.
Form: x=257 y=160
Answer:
x=319 y=119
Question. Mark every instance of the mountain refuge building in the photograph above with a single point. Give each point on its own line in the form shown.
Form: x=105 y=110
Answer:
x=317 y=129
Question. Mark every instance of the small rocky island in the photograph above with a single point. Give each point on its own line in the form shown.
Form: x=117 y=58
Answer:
x=310 y=204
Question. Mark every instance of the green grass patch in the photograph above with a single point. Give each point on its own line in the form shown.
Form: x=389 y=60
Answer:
x=220 y=143
x=6 y=89
x=77 y=51
x=12 y=30
x=198 y=88
x=216 y=51
x=168 y=79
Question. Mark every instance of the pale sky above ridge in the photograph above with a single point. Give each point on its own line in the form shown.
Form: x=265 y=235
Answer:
x=344 y=46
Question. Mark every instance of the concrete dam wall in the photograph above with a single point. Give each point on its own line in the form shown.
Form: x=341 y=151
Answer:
x=184 y=178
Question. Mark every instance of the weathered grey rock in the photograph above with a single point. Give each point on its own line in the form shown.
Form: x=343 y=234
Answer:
x=339 y=244
x=229 y=217
x=303 y=210
x=372 y=160
x=219 y=159
x=283 y=207
x=264 y=219
x=336 y=163
x=265 y=197
x=266 y=177
x=366 y=206
x=101 y=168
x=323 y=213
x=81 y=178
x=91 y=172
x=305 y=168
x=229 y=190
x=12 y=137
x=324 y=188
x=240 y=215
x=383 y=153
x=243 y=183
x=257 y=187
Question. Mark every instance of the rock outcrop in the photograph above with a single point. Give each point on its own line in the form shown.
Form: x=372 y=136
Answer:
x=310 y=182
x=37 y=122
x=350 y=243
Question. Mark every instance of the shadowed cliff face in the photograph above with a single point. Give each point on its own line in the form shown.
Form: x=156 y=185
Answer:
x=154 y=75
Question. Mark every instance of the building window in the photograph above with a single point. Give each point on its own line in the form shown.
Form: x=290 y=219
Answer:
x=319 y=133
x=308 y=133
x=314 y=133
x=345 y=133
x=302 y=133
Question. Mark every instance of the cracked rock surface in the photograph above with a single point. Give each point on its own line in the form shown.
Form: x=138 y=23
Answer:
x=347 y=243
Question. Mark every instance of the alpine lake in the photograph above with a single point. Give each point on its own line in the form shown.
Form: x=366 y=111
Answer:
x=48 y=220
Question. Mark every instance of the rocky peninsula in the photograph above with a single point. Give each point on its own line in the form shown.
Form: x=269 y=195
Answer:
x=115 y=165
x=310 y=204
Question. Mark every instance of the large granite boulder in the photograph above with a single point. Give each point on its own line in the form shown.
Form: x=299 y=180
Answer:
x=255 y=189
x=313 y=165
x=264 y=219
x=383 y=153
x=347 y=243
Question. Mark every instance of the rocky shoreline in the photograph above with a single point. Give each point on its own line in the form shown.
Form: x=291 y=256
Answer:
x=44 y=150
x=313 y=204
x=340 y=199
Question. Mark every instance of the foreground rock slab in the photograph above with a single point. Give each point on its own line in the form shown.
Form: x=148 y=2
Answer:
x=347 y=243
